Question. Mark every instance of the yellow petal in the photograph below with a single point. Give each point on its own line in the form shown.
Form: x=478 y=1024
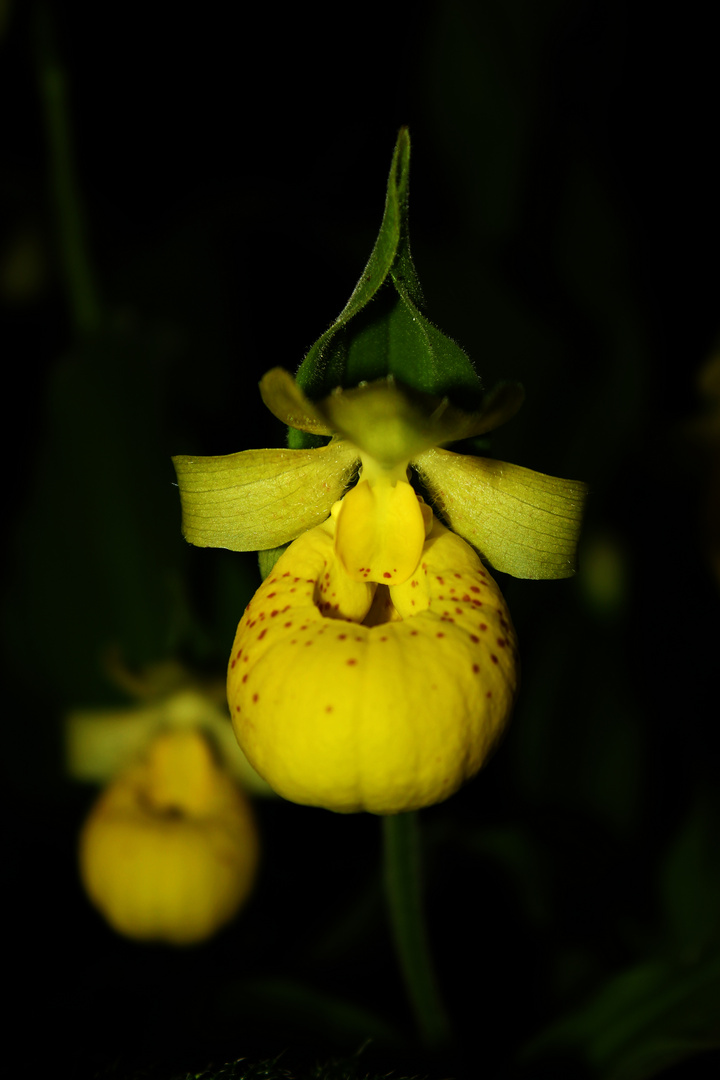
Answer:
x=523 y=522
x=380 y=532
x=285 y=400
x=260 y=499
x=169 y=851
x=387 y=717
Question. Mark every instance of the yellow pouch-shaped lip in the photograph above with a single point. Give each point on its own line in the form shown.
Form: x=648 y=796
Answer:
x=353 y=704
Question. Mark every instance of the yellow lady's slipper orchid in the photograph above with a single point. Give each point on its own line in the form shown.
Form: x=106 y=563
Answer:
x=377 y=665
x=170 y=849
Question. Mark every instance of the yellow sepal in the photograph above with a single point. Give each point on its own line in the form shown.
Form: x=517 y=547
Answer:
x=387 y=420
x=286 y=401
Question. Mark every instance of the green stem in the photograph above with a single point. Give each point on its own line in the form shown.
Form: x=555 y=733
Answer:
x=403 y=888
x=76 y=263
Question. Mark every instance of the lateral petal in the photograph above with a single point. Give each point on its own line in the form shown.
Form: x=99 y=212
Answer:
x=260 y=499
x=523 y=522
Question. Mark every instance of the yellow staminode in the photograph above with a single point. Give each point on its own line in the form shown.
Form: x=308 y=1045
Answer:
x=170 y=849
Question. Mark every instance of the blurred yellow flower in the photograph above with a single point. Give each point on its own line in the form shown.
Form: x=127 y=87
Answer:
x=169 y=851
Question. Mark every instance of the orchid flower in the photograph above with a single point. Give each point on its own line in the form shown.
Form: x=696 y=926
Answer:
x=170 y=849
x=376 y=666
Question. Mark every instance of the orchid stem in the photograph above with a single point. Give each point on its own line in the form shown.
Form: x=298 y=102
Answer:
x=401 y=843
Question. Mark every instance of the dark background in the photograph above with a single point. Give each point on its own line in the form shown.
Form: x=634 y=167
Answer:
x=565 y=226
